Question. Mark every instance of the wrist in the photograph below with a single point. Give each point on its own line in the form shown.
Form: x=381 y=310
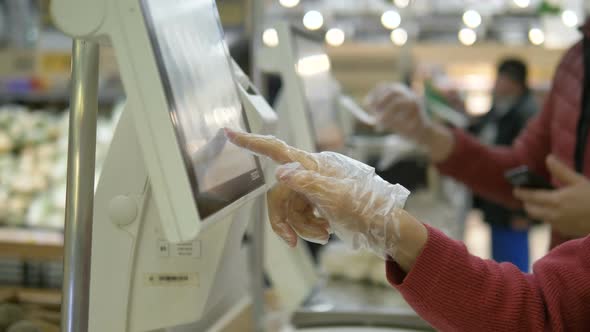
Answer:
x=439 y=141
x=411 y=240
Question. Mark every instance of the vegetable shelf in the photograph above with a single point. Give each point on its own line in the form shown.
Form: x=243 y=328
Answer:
x=30 y=244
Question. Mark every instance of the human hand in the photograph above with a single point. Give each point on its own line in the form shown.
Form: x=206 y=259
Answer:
x=360 y=207
x=567 y=209
x=398 y=110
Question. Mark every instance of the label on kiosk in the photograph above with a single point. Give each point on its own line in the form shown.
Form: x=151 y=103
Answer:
x=195 y=73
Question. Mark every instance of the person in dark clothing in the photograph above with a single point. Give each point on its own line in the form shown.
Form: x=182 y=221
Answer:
x=513 y=106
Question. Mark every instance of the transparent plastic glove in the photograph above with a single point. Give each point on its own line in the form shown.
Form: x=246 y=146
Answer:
x=399 y=110
x=350 y=199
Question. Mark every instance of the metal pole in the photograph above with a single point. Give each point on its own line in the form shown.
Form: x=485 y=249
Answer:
x=256 y=24
x=80 y=186
x=256 y=251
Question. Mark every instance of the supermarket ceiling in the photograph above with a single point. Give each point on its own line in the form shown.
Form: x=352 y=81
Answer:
x=552 y=23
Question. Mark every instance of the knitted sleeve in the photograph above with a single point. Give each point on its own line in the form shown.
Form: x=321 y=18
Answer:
x=455 y=291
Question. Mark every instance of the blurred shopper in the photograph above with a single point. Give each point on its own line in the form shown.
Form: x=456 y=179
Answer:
x=513 y=106
x=553 y=144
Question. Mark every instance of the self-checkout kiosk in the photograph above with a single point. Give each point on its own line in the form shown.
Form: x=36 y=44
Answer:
x=166 y=225
x=311 y=98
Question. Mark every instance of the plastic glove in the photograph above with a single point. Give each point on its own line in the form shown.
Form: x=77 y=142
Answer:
x=398 y=110
x=359 y=206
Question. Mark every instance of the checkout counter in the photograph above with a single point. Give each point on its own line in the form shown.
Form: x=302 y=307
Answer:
x=175 y=198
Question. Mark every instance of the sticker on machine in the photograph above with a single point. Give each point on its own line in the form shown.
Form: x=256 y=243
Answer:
x=172 y=279
x=185 y=249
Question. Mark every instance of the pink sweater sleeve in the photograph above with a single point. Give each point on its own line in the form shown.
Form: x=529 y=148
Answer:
x=482 y=167
x=455 y=291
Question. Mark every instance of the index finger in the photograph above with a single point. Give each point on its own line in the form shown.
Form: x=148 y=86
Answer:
x=271 y=147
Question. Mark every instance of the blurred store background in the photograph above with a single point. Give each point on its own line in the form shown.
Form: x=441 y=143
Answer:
x=454 y=45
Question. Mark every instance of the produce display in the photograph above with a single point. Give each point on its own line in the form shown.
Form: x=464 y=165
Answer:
x=10 y=314
x=33 y=164
x=27 y=318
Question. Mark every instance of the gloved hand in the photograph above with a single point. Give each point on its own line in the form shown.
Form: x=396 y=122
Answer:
x=349 y=198
x=398 y=110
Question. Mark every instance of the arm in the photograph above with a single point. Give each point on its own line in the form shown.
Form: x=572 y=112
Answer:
x=458 y=154
x=482 y=167
x=455 y=291
x=446 y=286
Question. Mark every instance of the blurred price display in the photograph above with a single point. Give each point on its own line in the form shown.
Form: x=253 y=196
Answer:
x=231 y=13
x=55 y=63
x=16 y=63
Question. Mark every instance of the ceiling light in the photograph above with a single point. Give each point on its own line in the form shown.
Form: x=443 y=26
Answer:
x=401 y=3
x=270 y=38
x=467 y=36
x=570 y=18
x=536 y=36
x=289 y=3
x=313 y=20
x=391 y=19
x=399 y=36
x=335 y=37
x=472 y=18
x=522 y=3
x=313 y=65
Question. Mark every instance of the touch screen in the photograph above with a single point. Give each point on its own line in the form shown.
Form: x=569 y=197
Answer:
x=195 y=70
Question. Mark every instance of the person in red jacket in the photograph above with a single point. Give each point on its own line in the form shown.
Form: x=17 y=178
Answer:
x=446 y=286
x=554 y=144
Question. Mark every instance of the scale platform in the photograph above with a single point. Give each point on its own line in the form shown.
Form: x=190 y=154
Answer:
x=353 y=329
x=340 y=303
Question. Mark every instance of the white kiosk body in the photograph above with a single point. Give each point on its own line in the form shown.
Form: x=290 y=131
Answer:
x=168 y=215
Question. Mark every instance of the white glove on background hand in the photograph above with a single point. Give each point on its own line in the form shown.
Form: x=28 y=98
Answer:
x=399 y=110
x=350 y=199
